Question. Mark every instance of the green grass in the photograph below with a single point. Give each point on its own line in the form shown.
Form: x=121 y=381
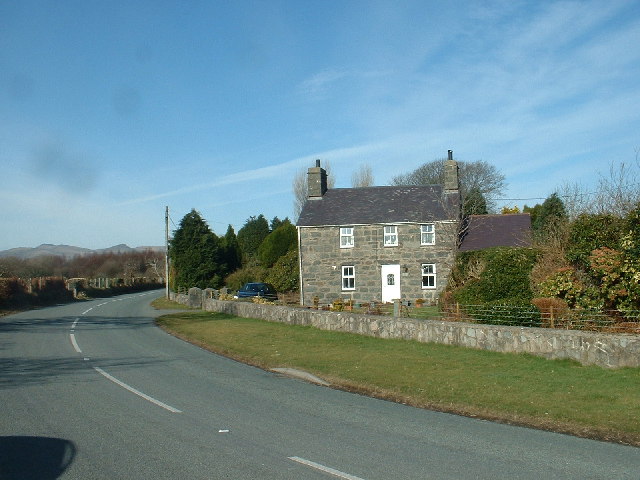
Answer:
x=521 y=389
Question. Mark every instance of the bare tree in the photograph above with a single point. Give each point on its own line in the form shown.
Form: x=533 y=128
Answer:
x=478 y=175
x=363 y=177
x=300 y=187
x=616 y=193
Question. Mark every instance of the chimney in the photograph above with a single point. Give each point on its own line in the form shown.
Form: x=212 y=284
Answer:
x=453 y=200
x=316 y=181
x=451 y=184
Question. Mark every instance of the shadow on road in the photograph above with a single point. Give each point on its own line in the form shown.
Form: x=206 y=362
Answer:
x=21 y=371
x=48 y=325
x=31 y=458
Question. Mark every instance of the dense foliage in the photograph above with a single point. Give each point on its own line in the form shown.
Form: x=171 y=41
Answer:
x=278 y=243
x=257 y=254
x=604 y=264
x=196 y=255
x=492 y=275
x=285 y=273
x=251 y=235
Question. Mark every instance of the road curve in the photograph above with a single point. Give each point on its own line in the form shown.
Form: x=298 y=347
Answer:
x=95 y=391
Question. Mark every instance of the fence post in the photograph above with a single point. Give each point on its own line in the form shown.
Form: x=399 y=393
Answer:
x=551 y=323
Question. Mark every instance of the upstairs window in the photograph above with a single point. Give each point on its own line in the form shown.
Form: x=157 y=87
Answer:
x=390 y=236
x=348 y=277
x=428 y=275
x=346 y=237
x=427 y=234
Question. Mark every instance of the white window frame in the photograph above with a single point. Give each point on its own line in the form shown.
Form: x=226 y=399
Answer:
x=390 y=235
x=346 y=237
x=348 y=277
x=428 y=271
x=428 y=230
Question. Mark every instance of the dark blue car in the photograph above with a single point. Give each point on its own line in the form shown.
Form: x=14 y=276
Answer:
x=257 y=289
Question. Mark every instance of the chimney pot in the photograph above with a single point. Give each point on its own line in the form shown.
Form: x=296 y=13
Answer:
x=318 y=162
x=450 y=156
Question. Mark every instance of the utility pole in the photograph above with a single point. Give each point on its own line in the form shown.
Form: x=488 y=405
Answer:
x=166 y=251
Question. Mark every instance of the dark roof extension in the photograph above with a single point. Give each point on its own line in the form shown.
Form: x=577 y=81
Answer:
x=486 y=231
x=369 y=205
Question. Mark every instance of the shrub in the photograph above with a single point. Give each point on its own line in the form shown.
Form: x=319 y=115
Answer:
x=253 y=272
x=285 y=274
x=589 y=232
x=494 y=274
x=551 y=309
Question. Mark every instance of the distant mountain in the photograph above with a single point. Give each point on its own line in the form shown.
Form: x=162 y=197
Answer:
x=68 y=251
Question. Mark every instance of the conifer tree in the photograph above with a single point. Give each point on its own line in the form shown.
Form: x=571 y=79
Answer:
x=195 y=253
x=251 y=235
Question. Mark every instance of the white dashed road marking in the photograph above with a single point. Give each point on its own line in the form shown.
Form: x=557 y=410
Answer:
x=322 y=468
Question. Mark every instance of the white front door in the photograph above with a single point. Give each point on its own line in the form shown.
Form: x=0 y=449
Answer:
x=390 y=282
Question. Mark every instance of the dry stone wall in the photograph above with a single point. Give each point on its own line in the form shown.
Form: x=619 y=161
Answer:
x=588 y=348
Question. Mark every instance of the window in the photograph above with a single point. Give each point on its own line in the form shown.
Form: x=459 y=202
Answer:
x=391 y=279
x=428 y=275
x=390 y=236
x=427 y=234
x=346 y=237
x=348 y=277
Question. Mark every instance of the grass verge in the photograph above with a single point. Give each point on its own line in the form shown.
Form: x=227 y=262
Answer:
x=561 y=396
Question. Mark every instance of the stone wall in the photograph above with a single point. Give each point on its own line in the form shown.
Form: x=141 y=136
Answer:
x=588 y=348
x=322 y=260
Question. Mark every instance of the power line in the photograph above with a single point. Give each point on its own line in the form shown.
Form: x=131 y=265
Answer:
x=586 y=194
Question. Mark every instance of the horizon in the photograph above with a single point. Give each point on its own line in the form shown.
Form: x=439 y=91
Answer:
x=113 y=111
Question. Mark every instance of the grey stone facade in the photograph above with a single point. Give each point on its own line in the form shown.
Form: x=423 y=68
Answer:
x=322 y=259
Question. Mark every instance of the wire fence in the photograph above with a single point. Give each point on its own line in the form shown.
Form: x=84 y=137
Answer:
x=611 y=321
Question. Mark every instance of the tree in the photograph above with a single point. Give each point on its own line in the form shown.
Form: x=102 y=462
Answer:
x=474 y=203
x=506 y=210
x=276 y=222
x=472 y=175
x=232 y=254
x=548 y=215
x=363 y=177
x=251 y=235
x=616 y=193
x=195 y=254
x=300 y=187
x=278 y=243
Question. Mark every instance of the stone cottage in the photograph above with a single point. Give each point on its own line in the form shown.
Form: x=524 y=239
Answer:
x=377 y=243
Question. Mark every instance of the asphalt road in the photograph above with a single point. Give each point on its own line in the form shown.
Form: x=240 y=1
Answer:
x=96 y=391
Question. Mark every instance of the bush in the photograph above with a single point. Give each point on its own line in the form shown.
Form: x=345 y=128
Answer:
x=494 y=274
x=589 y=232
x=285 y=274
x=253 y=272
x=551 y=309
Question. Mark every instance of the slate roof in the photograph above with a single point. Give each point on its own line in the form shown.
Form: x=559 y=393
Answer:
x=370 y=205
x=486 y=231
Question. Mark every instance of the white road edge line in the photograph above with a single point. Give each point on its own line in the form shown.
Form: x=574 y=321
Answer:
x=87 y=311
x=74 y=343
x=137 y=392
x=75 y=323
x=325 y=469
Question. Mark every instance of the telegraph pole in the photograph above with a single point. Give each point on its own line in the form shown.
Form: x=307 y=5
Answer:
x=166 y=251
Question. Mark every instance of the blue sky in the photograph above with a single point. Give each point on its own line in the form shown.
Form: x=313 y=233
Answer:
x=111 y=110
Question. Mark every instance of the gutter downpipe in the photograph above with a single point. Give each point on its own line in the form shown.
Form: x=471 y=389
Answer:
x=300 y=268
